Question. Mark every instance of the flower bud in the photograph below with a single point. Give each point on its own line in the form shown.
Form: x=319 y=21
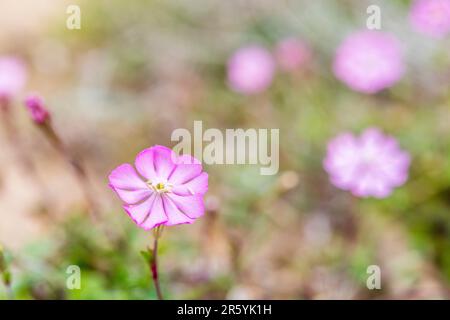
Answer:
x=38 y=112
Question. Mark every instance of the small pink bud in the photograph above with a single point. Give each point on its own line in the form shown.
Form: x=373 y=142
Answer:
x=292 y=54
x=37 y=109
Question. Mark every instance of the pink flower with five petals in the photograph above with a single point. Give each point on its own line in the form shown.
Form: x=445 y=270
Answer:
x=164 y=189
x=369 y=61
x=371 y=165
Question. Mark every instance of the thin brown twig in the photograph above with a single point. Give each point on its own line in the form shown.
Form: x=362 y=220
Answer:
x=15 y=141
x=78 y=169
x=82 y=179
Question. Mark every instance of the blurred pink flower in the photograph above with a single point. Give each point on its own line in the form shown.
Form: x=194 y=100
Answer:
x=166 y=189
x=250 y=70
x=36 y=108
x=370 y=165
x=12 y=77
x=369 y=61
x=431 y=17
x=292 y=54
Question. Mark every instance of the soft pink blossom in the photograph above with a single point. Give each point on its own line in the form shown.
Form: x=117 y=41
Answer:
x=36 y=108
x=162 y=188
x=369 y=61
x=431 y=17
x=370 y=165
x=12 y=77
x=250 y=70
x=292 y=54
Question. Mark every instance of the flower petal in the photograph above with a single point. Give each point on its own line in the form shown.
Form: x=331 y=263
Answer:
x=125 y=177
x=174 y=214
x=371 y=186
x=132 y=196
x=156 y=216
x=127 y=184
x=198 y=185
x=164 y=160
x=184 y=173
x=191 y=206
x=187 y=159
x=138 y=212
x=145 y=164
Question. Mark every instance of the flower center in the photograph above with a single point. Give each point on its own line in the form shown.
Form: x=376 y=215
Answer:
x=160 y=187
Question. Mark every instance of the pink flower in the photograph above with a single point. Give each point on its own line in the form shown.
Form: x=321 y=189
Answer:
x=37 y=109
x=431 y=17
x=292 y=54
x=370 y=165
x=166 y=189
x=12 y=77
x=369 y=61
x=250 y=70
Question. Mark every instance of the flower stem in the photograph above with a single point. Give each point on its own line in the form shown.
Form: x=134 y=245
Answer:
x=154 y=261
x=82 y=177
x=16 y=142
x=78 y=169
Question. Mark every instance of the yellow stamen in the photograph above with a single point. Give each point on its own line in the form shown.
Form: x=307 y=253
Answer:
x=159 y=187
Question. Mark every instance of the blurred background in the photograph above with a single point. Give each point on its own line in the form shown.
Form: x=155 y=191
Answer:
x=137 y=70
